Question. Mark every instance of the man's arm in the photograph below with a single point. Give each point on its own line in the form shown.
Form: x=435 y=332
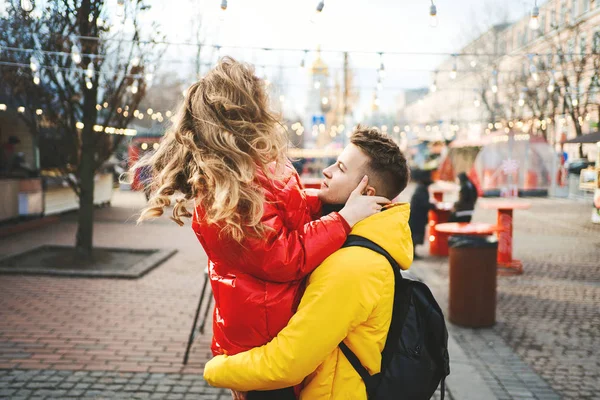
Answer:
x=337 y=299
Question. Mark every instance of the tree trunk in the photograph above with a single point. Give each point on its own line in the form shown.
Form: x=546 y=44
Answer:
x=578 y=132
x=85 y=228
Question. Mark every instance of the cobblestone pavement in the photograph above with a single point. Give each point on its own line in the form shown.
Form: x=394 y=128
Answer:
x=48 y=384
x=105 y=324
x=549 y=315
x=59 y=331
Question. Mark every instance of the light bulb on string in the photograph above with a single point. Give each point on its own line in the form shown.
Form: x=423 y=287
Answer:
x=135 y=61
x=476 y=102
x=120 y=8
x=27 y=5
x=303 y=61
x=318 y=11
x=381 y=66
x=574 y=101
x=551 y=85
x=89 y=72
x=534 y=22
x=317 y=85
x=433 y=21
x=75 y=54
x=36 y=78
x=433 y=87
x=33 y=64
x=223 y=5
x=454 y=70
x=135 y=87
x=521 y=99
x=495 y=81
x=473 y=63
x=89 y=84
x=379 y=85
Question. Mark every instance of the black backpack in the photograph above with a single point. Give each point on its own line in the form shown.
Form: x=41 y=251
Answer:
x=415 y=357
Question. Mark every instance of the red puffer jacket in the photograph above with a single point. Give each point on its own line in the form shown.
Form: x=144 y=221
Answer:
x=257 y=284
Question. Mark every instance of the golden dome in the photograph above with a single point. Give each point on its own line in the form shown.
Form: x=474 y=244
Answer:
x=319 y=67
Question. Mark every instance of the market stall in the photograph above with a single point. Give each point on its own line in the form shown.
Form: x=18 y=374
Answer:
x=589 y=178
x=511 y=164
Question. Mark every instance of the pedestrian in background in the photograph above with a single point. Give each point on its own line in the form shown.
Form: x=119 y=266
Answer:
x=467 y=197
x=419 y=209
x=227 y=154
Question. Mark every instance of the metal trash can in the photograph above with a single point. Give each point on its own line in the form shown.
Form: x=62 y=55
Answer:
x=473 y=269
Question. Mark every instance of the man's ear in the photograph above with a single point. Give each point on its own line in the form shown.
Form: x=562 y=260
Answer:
x=370 y=191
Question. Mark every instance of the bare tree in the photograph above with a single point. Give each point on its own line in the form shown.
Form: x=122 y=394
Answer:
x=65 y=59
x=577 y=68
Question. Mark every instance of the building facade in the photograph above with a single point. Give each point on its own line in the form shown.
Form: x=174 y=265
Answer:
x=540 y=81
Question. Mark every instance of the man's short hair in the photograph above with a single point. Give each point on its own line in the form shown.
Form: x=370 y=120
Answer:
x=388 y=170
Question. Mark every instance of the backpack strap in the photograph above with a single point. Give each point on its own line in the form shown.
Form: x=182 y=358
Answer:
x=372 y=381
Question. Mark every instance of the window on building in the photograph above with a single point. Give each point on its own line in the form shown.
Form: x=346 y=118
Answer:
x=582 y=45
x=563 y=13
x=570 y=49
x=585 y=6
x=596 y=43
x=542 y=24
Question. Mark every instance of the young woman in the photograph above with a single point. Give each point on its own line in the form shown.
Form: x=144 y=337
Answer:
x=227 y=154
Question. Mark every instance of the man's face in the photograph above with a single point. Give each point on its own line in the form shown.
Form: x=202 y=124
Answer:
x=342 y=177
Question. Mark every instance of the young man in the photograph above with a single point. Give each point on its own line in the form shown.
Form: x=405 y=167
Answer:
x=348 y=297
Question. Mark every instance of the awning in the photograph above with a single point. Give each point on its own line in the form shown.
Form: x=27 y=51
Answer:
x=589 y=138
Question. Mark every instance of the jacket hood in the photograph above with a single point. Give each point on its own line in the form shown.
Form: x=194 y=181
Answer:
x=389 y=229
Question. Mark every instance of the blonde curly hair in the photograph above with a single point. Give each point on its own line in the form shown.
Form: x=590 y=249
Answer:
x=224 y=135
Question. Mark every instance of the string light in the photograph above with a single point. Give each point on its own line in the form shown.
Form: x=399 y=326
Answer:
x=381 y=66
x=36 y=78
x=27 y=5
x=75 y=54
x=89 y=72
x=34 y=64
x=433 y=87
x=120 y=8
x=534 y=22
x=550 y=87
x=521 y=99
x=39 y=111
x=473 y=63
x=433 y=21
x=135 y=87
x=223 y=5
x=318 y=12
x=3 y=107
x=135 y=61
x=303 y=61
x=476 y=102
x=317 y=85
x=454 y=70
x=325 y=101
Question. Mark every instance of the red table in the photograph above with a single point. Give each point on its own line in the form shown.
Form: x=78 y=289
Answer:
x=506 y=264
x=311 y=183
x=438 y=189
x=438 y=244
x=467 y=228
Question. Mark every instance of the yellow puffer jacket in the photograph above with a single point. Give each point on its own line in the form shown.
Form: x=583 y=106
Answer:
x=349 y=297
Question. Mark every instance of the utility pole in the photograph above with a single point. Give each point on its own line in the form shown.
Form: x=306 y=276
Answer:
x=346 y=114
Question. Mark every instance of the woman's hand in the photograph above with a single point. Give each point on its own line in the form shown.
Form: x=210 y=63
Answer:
x=359 y=206
x=238 y=395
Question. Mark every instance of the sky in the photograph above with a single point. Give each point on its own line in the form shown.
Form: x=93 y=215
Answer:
x=345 y=25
